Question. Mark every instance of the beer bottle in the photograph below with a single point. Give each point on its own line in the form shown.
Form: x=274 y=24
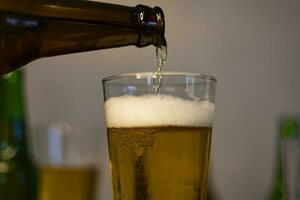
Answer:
x=31 y=29
x=289 y=129
x=17 y=172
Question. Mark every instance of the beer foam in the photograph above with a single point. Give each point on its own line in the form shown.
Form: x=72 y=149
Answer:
x=157 y=110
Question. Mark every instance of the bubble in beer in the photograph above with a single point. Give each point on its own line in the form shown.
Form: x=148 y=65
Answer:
x=157 y=110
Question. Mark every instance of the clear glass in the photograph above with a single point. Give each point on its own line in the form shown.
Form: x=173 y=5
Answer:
x=67 y=162
x=159 y=143
x=291 y=167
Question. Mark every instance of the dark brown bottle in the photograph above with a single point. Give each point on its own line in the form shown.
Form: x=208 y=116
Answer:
x=31 y=29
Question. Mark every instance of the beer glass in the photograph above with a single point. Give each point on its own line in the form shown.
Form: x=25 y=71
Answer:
x=67 y=162
x=159 y=139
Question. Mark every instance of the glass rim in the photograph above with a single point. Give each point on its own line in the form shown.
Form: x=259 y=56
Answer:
x=143 y=75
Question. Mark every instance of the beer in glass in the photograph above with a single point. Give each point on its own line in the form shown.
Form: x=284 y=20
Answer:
x=159 y=143
x=67 y=162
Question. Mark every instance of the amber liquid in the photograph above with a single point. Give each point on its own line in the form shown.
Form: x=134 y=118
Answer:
x=159 y=163
x=67 y=183
x=161 y=55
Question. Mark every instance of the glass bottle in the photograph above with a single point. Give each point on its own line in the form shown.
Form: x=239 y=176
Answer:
x=32 y=29
x=288 y=129
x=17 y=172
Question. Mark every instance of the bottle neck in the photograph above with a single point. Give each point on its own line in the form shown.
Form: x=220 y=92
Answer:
x=148 y=22
x=68 y=9
x=32 y=29
x=151 y=25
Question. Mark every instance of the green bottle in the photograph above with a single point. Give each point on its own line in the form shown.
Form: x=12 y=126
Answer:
x=289 y=129
x=18 y=179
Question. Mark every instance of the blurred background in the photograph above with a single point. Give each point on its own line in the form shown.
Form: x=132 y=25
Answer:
x=251 y=46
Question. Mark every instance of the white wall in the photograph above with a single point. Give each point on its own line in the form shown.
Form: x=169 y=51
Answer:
x=252 y=46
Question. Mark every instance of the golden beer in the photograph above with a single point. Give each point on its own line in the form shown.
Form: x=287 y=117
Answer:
x=64 y=183
x=159 y=147
x=159 y=163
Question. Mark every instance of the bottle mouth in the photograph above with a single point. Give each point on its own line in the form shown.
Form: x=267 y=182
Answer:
x=150 y=25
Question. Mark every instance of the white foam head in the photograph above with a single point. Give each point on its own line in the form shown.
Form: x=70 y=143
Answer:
x=157 y=110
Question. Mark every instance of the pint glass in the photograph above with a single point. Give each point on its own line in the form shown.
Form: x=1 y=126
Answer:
x=159 y=140
x=67 y=160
